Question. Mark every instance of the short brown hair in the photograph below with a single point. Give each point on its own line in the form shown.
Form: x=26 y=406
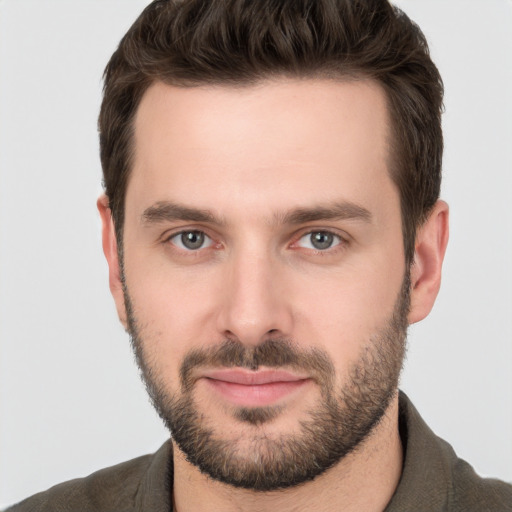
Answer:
x=240 y=42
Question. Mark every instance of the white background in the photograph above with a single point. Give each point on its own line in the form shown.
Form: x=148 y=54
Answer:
x=70 y=398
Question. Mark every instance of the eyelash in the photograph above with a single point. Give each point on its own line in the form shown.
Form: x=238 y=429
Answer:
x=341 y=245
x=168 y=239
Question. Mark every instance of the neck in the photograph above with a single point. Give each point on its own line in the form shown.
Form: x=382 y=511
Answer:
x=363 y=480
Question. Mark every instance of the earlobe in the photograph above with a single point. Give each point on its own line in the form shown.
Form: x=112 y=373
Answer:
x=109 y=242
x=430 y=247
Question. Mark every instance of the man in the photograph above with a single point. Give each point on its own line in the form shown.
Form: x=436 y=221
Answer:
x=272 y=225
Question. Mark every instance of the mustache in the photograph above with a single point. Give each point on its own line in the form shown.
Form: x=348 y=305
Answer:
x=273 y=353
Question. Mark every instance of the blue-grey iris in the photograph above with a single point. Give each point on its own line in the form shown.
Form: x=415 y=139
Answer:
x=321 y=240
x=192 y=239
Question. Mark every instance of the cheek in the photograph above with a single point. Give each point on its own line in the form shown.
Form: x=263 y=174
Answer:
x=345 y=309
x=172 y=310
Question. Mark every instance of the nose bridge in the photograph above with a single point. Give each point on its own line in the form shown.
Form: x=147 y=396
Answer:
x=254 y=306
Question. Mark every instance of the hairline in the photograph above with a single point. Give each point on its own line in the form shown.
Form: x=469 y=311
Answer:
x=392 y=144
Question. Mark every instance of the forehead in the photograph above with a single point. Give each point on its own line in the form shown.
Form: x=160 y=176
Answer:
x=281 y=143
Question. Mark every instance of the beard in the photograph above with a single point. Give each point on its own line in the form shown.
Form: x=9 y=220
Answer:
x=341 y=420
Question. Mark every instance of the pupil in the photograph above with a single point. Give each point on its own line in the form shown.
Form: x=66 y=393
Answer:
x=321 y=240
x=192 y=239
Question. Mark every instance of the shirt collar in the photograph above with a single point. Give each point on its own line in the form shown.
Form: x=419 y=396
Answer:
x=426 y=477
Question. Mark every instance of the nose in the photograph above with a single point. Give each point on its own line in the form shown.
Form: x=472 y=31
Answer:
x=255 y=305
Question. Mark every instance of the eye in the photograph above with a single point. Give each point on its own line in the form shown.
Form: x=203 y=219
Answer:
x=191 y=240
x=319 y=240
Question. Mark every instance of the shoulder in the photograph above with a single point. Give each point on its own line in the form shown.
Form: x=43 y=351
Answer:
x=469 y=491
x=435 y=479
x=118 y=487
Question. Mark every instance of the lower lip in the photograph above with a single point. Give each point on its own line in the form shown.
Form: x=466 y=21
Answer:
x=259 y=395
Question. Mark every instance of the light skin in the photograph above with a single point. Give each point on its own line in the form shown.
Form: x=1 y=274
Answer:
x=257 y=170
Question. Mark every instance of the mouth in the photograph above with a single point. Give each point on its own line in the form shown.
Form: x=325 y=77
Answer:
x=259 y=388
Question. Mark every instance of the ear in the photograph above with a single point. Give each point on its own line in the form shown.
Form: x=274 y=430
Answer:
x=109 y=242
x=430 y=247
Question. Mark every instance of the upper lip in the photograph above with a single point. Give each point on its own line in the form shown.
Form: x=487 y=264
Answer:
x=252 y=378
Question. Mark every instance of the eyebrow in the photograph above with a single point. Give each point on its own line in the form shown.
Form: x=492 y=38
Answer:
x=344 y=210
x=166 y=211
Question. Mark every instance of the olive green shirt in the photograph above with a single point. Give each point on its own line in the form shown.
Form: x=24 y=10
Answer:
x=433 y=479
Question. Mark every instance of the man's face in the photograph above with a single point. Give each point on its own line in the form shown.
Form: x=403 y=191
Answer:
x=264 y=272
